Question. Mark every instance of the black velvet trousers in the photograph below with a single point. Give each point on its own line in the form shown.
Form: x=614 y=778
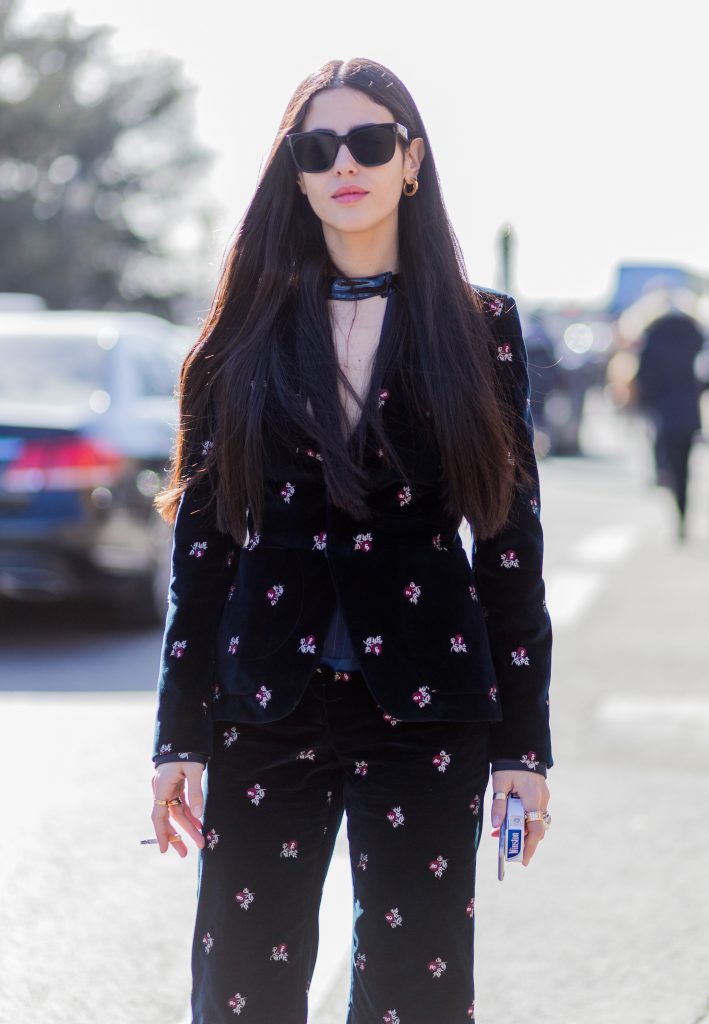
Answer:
x=413 y=795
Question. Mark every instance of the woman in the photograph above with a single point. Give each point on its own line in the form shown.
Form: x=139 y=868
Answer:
x=328 y=646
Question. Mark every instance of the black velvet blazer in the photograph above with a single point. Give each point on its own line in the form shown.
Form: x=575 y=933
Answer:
x=437 y=638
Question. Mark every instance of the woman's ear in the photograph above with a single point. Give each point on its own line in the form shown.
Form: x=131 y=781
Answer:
x=414 y=155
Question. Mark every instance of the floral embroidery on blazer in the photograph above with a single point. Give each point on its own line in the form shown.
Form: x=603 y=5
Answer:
x=437 y=637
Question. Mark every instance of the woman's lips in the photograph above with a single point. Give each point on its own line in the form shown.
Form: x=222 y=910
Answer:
x=350 y=197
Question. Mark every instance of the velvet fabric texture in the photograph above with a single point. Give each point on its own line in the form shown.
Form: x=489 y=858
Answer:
x=437 y=640
x=413 y=793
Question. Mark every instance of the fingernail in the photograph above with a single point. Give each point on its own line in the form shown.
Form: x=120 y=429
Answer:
x=197 y=811
x=496 y=820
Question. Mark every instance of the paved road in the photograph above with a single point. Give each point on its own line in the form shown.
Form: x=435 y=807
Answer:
x=609 y=923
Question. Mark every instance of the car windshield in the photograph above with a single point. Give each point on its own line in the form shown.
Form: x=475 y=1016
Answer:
x=52 y=370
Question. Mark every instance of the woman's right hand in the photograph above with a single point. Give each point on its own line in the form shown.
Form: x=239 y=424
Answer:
x=169 y=782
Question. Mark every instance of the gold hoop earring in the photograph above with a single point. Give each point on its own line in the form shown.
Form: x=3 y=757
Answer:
x=414 y=187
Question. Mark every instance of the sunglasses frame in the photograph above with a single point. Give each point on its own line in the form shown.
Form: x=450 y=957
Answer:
x=399 y=130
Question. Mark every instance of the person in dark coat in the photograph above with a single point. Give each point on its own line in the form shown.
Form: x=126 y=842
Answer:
x=668 y=391
x=329 y=648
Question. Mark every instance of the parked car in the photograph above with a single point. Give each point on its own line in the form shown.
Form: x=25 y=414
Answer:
x=87 y=420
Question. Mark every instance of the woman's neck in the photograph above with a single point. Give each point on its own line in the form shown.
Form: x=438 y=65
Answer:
x=364 y=254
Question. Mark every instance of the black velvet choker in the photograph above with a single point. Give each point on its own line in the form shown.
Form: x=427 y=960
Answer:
x=363 y=287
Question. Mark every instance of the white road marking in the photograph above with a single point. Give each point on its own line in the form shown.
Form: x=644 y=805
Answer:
x=607 y=546
x=659 y=716
x=569 y=592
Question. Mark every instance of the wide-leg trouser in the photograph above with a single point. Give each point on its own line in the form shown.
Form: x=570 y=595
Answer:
x=413 y=793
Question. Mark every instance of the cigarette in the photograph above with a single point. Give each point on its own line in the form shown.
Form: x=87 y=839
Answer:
x=143 y=842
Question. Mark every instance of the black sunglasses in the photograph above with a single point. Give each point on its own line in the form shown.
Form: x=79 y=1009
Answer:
x=369 y=144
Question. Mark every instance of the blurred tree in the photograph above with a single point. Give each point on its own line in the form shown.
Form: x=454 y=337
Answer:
x=97 y=168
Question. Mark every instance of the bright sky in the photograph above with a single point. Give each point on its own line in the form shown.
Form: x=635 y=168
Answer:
x=582 y=125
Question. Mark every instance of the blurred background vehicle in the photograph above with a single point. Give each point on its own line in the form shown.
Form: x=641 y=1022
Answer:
x=87 y=418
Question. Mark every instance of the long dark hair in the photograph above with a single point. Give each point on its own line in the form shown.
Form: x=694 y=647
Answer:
x=269 y=325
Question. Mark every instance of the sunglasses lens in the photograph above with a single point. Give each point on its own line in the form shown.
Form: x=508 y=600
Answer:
x=370 y=146
x=373 y=145
x=315 y=152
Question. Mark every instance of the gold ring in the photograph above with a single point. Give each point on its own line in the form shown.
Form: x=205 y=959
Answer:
x=163 y=803
x=534 y=816
x=171 y=803
x=174 y=838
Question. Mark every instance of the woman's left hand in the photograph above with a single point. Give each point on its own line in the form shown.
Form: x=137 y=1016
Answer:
x=532 y=789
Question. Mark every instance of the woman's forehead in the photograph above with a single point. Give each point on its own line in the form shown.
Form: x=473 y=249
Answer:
x=343 y=109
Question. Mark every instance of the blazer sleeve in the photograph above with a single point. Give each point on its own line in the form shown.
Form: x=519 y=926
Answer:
x=204 y=563
x=508 y=574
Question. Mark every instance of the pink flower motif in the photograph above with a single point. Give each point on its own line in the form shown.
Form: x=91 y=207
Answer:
x=207 y=942
x=256 y=793
x=230 y=736
x=363 y=861
x=441 y=761
x=383 y=395
x=344 y=676
x=509 y=559
x=471 y=1010
x=520 y=657
x=289 y=850
x=474 y=592
x=404 y=495
x=287 y=492
x=393 y=917
x=504 y=352
x=274 y=593
x=254 y=541
x=233 y=645
x=320 y=541
x=390 y=718
x=391 y=1017
x=530 y=759
x=437 y=967
x=244 y=898
x=495 y=303
x=361 y=767
x=306 y=755
x=279 y=952
x=198 y=549
x=207 y=446
x=361 y=961
x=422 y=696
x=307 y=644
x=492 y=693
x=363 y=542
x=438 y=866
x=470 y=909
x=237 y=1003
x=534 y=506
x=178 y=648
x=458 y=645
x=230 y=592
x=475 y=804
x=263 y=696
x=396 y=817
x=311 y=454
x=373 y=645
x=212 y=838
x=413 y=592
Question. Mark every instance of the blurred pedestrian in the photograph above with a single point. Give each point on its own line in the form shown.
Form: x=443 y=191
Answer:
x=668 y=392
x=351 y=399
